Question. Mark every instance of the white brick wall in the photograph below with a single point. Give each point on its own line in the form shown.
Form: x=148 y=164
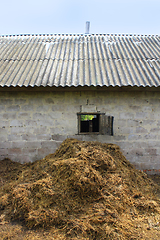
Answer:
x=33 y=124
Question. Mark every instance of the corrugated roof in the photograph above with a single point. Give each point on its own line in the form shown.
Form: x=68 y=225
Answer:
x=80 y=60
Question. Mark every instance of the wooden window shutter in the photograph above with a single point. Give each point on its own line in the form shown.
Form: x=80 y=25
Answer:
x=106 y=124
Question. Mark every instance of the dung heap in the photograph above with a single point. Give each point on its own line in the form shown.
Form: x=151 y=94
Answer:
x=85 y=190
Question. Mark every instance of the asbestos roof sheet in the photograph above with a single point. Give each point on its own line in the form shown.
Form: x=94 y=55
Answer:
x=80 y=60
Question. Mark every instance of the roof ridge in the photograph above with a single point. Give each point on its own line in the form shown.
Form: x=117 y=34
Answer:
x=77 y=34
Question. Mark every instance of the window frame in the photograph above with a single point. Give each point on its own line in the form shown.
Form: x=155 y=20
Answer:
x=105 y=124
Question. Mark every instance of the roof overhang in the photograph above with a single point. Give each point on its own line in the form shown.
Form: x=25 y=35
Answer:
x=80 y=89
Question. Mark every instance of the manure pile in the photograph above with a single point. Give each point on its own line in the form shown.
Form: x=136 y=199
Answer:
x=85 y=190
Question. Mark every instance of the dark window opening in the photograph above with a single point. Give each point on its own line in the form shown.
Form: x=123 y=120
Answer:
x=95 y=123
x=89 y=123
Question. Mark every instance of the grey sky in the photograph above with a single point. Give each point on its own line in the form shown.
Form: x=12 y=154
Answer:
x=60 y=16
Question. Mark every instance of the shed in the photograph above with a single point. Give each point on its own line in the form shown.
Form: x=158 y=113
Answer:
x=98 y=87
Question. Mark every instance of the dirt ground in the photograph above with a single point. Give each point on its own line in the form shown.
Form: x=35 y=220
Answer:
x=85 y=190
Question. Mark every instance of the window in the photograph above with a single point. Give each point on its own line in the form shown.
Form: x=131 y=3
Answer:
x=95 y=123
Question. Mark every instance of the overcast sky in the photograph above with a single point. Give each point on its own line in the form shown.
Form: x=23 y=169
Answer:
x=69 y=16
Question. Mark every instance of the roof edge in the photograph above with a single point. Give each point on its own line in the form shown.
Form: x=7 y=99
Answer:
x=80 y=88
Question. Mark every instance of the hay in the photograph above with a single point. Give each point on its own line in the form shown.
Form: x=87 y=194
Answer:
x=86 y=190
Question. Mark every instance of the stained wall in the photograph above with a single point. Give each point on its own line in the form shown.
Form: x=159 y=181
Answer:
x=34 y=124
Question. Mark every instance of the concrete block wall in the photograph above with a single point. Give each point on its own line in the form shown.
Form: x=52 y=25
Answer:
x=34 y=124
